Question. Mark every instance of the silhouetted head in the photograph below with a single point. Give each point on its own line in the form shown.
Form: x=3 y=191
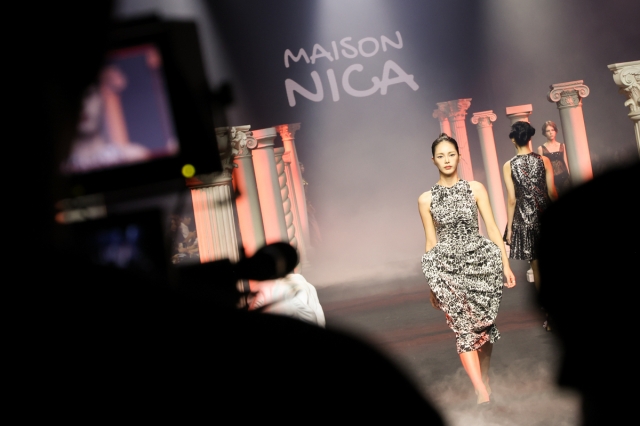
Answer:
x=443 y=138
x=521 y=133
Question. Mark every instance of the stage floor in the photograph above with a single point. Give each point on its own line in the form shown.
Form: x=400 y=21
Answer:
x=397 y=318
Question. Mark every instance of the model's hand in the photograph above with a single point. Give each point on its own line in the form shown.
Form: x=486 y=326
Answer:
x=434 y=300
x=509 y=236
x=511 y=279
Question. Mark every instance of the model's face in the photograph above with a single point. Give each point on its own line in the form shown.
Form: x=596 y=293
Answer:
x=550 y=133
x=446 y=158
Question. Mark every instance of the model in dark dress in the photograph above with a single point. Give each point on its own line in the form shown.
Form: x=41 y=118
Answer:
x=560 y=171
x=464 y=269
x=529 y=180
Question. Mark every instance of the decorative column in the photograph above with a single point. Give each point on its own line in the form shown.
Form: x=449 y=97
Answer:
x=627 y=76
x=457 y=112
x=264 y=163
x=286 y=200
x=568 y=97
x=244 y=179
x=296 y=185
x=212 y=197
x=483 y=120
x=442 y=114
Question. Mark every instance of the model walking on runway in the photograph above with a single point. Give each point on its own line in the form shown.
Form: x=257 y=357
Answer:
x=530 y=187
x=464 y=269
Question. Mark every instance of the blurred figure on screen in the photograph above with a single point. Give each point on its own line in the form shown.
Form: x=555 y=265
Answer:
x=102 y=139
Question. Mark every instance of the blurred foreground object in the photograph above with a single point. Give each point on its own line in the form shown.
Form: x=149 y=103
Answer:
x=589 y=294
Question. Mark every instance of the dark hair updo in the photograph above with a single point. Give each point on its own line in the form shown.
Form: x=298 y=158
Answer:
x=521 y=132
x=443 y=138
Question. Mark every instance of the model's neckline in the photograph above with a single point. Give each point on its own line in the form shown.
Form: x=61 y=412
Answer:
x=457 y=182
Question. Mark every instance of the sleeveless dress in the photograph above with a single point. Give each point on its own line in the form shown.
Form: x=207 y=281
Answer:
x=528 y=174
x=464 y=269
x=560 y=171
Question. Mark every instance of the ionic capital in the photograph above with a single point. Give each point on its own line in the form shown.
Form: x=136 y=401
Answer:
x=484 y=118
x=569 y=94
x=458 y=108
x=627 y=76
x=288 y=131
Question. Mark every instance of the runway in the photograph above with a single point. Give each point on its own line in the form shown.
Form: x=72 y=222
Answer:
x=397 y=318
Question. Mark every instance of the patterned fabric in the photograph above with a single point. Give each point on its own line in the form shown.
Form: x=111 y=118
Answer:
x=464 y=270
x=528 y=174
x=560 y=171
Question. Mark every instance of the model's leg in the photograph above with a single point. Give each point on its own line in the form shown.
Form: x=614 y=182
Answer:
x=484 y=356
x=536 y=273
x=471 y=364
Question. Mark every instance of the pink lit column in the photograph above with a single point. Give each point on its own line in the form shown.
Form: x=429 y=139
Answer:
x=568 y=97
x=296 y=186
x=442 y=114
x=213 y=208
x=264 y=163
x=483 y=120
x=247 y=200
x=457 y=113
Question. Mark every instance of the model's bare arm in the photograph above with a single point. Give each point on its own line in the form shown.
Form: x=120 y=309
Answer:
x=484 y=206
x=511 y=197
x=551 y=185
x=424 y=206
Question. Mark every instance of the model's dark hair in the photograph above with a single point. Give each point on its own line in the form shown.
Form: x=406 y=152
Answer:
x=549 y=124
x=443 y=138
x=521 y=132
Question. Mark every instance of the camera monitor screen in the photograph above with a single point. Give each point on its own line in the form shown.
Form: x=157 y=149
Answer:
x=126 y=117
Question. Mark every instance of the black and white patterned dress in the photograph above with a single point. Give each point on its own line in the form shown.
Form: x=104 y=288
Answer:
x=464 y=269
x=530 y=184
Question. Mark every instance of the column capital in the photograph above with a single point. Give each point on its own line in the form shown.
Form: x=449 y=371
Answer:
x=265 y=137
x=627 y=76
x=288 y=131
x=569 y=94
x=458 y=108
x=440 y=115
x=519 y=112
x=242 y=140
x=484 y=118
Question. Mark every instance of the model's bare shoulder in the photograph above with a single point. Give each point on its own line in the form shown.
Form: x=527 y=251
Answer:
x=477 y=188
x=425 y=199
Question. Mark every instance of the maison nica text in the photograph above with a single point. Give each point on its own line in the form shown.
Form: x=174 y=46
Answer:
x=366 y=47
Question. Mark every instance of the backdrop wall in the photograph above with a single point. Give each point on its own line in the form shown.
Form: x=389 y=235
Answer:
x=367 y=154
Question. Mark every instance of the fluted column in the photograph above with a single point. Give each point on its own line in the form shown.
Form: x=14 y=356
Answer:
x=627 y=76
x=286 y=200
x=483 y=121
x=442 y=114
x=213 y=209
x=247 y=199
x=264 y=163
x=296 y=186
x=568 y=97
x=457 y=113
